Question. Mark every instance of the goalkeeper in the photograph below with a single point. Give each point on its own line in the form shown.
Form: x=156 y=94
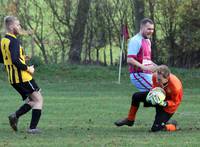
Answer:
x=164 y=109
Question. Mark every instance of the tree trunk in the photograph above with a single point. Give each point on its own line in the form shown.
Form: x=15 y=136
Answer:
x=111 y=55
x=110 y=43
x=154 y=38
x=97 y=56
x=139 y=12
x=78 y=31
x=104 y=56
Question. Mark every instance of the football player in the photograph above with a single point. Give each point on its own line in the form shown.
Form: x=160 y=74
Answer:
x=164 y=109
x=20 y=75
x=139 y=60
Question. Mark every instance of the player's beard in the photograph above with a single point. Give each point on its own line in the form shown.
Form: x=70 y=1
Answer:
x=148 y=35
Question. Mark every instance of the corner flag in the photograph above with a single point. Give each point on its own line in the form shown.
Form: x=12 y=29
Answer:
x=125 y=37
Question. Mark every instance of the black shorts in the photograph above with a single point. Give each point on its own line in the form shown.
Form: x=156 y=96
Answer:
x=141 y=97
x=26 y=88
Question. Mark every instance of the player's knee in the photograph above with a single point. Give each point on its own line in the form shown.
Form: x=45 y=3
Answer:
x=38 y=105
x=135 y=99
x=37 y=98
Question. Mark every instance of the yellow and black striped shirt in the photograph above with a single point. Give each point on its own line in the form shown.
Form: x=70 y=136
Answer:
x=13 y=57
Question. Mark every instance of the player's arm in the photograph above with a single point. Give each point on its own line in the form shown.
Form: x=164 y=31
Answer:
x=133 y=49
x=132 y=61
x=14 y=48
x=175 y=100
x=154 y=79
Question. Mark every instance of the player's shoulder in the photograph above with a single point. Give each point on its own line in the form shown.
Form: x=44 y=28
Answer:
x=174 y=77
x=136 y=39
x=13 y=39
x=175 y=82
x=10 y=37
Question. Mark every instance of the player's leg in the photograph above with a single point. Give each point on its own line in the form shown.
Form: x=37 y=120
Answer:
x=32 y=91
x=13 y=118
x=136 y=99
x=37 y=99
x=161 y=118
x=142 y=81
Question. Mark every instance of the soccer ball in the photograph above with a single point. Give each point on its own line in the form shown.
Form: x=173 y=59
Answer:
x=156 y=96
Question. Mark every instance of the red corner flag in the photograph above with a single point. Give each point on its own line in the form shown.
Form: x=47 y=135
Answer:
x=125 y=36
x=124 y=32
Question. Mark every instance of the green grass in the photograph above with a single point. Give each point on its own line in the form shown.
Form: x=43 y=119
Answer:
x=81 y=104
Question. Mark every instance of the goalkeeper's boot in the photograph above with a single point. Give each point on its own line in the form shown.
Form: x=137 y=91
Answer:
x=34 y=131
x=13 y=120
x=123 y=122
x=172 y=125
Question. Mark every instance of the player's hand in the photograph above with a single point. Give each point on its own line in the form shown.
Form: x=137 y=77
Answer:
x=151 y=68
x=27 y=58
x=31 y=69
x=154 y=64
x=163 y=103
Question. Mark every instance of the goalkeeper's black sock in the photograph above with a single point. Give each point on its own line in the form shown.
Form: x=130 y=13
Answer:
x=23 y=110
x=36 y=113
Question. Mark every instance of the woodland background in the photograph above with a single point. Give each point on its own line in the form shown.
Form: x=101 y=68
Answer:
x=89 y=31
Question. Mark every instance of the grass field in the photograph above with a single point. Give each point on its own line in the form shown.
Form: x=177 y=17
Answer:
x=81 y=104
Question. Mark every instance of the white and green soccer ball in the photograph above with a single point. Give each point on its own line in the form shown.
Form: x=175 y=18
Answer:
x=156 y=96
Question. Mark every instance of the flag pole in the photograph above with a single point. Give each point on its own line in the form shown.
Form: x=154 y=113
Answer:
x=120 y=59
x=125 y=36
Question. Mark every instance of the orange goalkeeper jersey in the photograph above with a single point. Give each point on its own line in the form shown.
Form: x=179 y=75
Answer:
x=174 y=92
